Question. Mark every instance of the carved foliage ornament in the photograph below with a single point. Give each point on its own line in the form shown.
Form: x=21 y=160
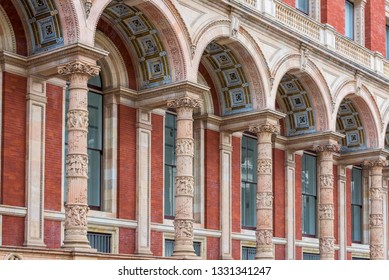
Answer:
x=184 y=185
x=376 y=163
x=264 y=200
x=326 y=245
x=377 y=251
x=326 y=211
x=184 y=102
x=183 y=228
x=77 y=165
x=78 y=119
x=264 y=166
x=376 y=220
x=330 y=148
x=264 y=128
x=375 y=193
x=76 y=216
x=264 y=236
x=78 y=67
x=184 y=147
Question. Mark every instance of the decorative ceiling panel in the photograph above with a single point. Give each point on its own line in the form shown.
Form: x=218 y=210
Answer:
x=235 y=89
x=144 y=37
x=44 y=24
x=349 y=123
x=300 y=114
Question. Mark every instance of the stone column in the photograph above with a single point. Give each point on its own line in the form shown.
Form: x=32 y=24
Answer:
x=376 y=209
x=264 y=229
x=183 y=221
x=326 y=196
x=76 y=207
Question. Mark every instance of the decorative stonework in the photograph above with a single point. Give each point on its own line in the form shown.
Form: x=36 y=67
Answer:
x=77 y=120
x=330 y=148
x=327 y=181
x=184 y=102
x=184 y=147
x=265 y=200
x=184 y=185
x=76 y=216
x=264 y=237
x=375 y=193
x=376 y=163
x=266 y=127
x=264 y=166
x=376 y=220
x=183 y=228
x=326 y=211
x=327 y=246
x=78 y=67
x=13 y=257
x=377 y=252
x=77 y=165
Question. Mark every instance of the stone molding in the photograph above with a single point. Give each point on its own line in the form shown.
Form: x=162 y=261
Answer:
x=78 y=67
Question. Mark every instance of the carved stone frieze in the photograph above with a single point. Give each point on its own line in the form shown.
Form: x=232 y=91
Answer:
x=264 y=200
x=264 y=128
x=327 y=148
x=184 y=147
x=326 y=245
x=264 y=237
x=375 y=163
x=376 y=220
x=183 y=228
x=375 y=193
x=326 y=211
x=376 y=251
x=326 y=181
x=184 y=102
x=77 y=119
x=78 y=67
x=184 y=185
x=264 y=166
x=76 y=215
x=77 y=165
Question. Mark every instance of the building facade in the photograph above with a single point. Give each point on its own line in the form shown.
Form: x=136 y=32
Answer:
x=223 y=129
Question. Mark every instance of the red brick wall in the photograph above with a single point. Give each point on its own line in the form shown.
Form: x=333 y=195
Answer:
x=14 y=140
x=21 y=42
x=126 y=163
x=126 y=241
x=115 y=38
x=13 y=231
x=348 y=210
x=52 y=236
x=279 y=192
x=236 y=250
x=375 y=24
x=298 y=203
x=212 y=179
x=290 y=2
x=213 y=248
x=280 y=252
x=157 y=160
x=203 y=71
x=236 y=184
x=53 y=152
x=333 y=13
x=156 y=243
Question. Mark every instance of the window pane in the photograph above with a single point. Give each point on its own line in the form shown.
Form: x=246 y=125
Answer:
x=248 y=253
x=349 y=20
x=169 y=247
x=356 y=186
x=356 y=223
x=170 y=174
x=303 y=5
x=95 y=128
x=170 y=164
x=249 y=159
x=309 y=215
x=311 y=257
x=248 y=204
x=309 y=174
x=94 y=167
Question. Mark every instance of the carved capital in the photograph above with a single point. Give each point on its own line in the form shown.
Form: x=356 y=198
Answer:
x=264 y=128
x=77 y=165
x=326 y=245
x=184 y=185
x=264 y=166
x=264 y=236
x=327 y=148
x=76 y=215
x=264 y=200
x=78 y=119
x=184 y=102
x=326 y=211
x=376 y=251
x=184 y=147
x=326 y=181
x=78 y=67
x=183 y=228
x=376 y=220
x=375 y=163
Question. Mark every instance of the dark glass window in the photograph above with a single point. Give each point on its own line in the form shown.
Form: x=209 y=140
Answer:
x=309 y=194
x=356 y=205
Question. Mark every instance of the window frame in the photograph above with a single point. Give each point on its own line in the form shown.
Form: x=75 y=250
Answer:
x=346 y=20
x=301 y=9
x=360 y=205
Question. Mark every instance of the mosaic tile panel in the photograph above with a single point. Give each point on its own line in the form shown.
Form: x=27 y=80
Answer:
x=44 y=24
x=297 y=103
x=147 y=44
x=235 y=89
x=349 y=123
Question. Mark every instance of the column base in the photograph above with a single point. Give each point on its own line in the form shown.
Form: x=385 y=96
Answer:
x=184 y=251
x=265 y=253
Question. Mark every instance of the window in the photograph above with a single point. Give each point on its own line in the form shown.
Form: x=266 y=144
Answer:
x=248 y=253
x=349 y=20
x=387 y=42
x=169 y=248
x=249 y=181
x=170 y=164
x=303 y=5
x=95 y=141
x=309 y=194
x=311 y=257
x=356 y=205
x=100 y=241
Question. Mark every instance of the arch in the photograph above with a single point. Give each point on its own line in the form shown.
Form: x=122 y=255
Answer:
x=69 y=20
x=312 y=81
x=246 y=50
x=113 y=65
x=164 y=20
x=365 y=105
x=7 y=34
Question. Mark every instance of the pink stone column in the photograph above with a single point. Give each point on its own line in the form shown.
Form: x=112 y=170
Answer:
x=376 y=217
x=76 y=207
x=326 y=205
x=183 y=221
x=264 y=228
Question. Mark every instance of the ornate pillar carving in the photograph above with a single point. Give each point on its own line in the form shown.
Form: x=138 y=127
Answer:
x=184 y=182
x=264 y=228
x=76 y=207
x=376 y=221
x=326 y=206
